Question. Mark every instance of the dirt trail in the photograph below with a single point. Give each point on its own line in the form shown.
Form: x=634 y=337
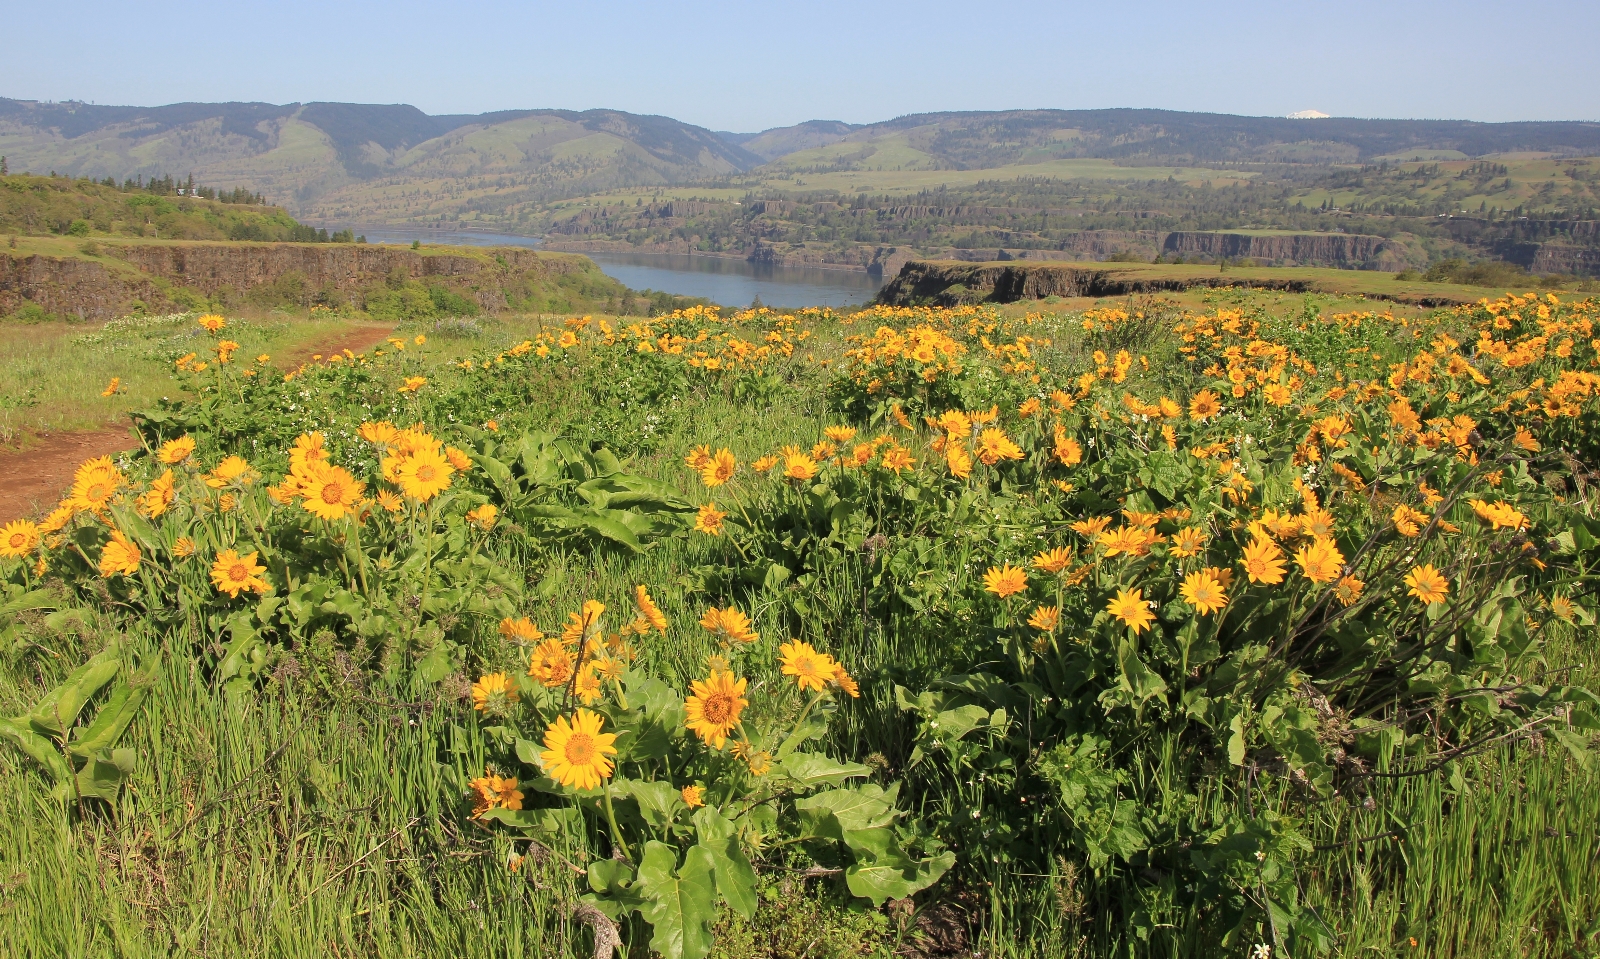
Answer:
x=33 y=479
x=357 y=340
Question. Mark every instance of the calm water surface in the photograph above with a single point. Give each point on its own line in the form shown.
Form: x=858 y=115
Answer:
x=721 y=280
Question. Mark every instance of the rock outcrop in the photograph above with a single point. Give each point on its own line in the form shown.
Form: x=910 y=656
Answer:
x=953 y=284
x=1344 y=250
x=107 y=285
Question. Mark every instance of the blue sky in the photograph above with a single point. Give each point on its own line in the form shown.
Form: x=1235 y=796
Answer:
x=749 y=66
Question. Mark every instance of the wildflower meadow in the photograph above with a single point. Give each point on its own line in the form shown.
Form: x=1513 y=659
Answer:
x=1256 y=629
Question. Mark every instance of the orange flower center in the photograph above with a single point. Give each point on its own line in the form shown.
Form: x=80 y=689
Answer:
x=18 y=541
x=238 y=572
x=332 y=493
x=425 y=473
x=580 y=749
x=717 y=708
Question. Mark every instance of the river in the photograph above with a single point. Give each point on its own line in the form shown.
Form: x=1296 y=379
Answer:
x=723 y=280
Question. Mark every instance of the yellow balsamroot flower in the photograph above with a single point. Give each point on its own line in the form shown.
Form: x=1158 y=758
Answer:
x=1091 y=527
x=898 y=458
x=520 y=630
x=583 y=624
x=709 y=520
x=1130 y=608
x=119 y=556
x=1067 y=450
x=1318 y=523
x=1004 y=581
x=233 y=574
x=494 y=694
x=1321 y=561
x=183 y=548
x=846 y=682
x=113 y=387
x=764 y=463
x=799 y=466
x=1204 y=591
x=714 y=705
x=1045 y=618
x=568 y=340
x=1407 y=521
x=823 y=450
x=957 y=461
x=1348 y=590
x=173 y=452
x=994 y=446
x=1204 y=406
x=1526 y=440
x=1427 y=584
x=458 y=458
x=1563 y=608
x=413 y=383
x=649 y=610
x=810 y=669
x=1263 y=561
x=1129 y=540
x=839 y=434
x=729 y=625
x=331 y=492
x=575 y=753
x=161 y=494
x=420 y=339
x=1499 y=515
x=1053 y=560
x=484 y=516
x=1277 y=394
x=390 y=502
x=552 y=663
x=588 y=687
x=93 y=485
x=230 y=469
x=490 y=791
x=760 y=763
x=719 y=468
x=212 y=322
x=423 y=475
x=698 y=457
x=309 y=449
x=693 y=796
x=1187 y=542
x=379 y=433
x=18 y=538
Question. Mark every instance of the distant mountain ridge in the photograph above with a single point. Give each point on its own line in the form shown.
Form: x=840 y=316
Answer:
x=348 y=163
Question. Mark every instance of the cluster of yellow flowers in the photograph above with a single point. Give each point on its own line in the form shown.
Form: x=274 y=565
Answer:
x=700 y=335
x=584 y=660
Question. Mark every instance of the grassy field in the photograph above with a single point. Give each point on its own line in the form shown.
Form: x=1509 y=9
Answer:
x=312 y=797
x=47 y=368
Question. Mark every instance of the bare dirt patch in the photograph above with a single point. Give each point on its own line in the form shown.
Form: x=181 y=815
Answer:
x=33 y=479
x=357 y=340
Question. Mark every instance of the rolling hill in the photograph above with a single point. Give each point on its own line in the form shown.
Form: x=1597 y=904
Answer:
x=325 y=160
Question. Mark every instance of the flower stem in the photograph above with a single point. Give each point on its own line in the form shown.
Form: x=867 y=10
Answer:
x=611 y=817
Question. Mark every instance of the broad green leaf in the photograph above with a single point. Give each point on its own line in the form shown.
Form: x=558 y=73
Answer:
x=883 y=871
x=38 y=748
x=817 y=770
x=113 y=718
x=658 y=801
x=58 y=710
x=828 y=815
x=679 y=903
x=735 y=878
